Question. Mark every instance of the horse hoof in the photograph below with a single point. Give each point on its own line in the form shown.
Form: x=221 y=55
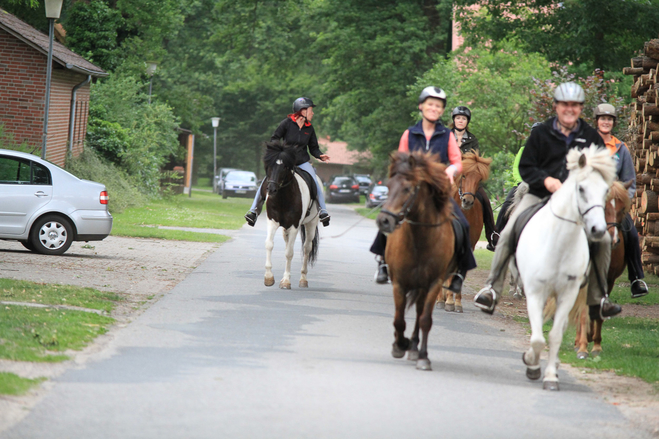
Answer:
x=458 y=309
x=439 y=305
x=269 y=281
x=285 y=285
x=413 y=355
x=304 y=284
x=423 y=364
x=449 y=307
x=550 y=385
x=582 y=355
x=595 y=353
x=533 y=374
x=397 y=352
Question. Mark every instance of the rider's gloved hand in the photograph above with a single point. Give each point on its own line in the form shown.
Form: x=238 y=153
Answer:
x=451 y=171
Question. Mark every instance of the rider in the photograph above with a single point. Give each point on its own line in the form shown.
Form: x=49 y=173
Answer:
x=297 y=130
x=543 y=167
x=605 y=117
x=430 y=135
x=469 y=143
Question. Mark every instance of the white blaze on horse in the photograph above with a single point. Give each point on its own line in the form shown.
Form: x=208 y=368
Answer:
x=291 y=205
x=552 y=253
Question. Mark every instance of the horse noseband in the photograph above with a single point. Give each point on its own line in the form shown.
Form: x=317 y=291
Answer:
x=405 y=210
x=462 y=194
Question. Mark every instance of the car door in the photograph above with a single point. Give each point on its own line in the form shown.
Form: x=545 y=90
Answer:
x=25 y=187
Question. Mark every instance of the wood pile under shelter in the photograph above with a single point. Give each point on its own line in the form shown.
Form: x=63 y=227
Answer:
x=643 y=143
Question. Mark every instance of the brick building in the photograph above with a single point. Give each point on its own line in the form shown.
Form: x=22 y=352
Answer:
x=23 y=59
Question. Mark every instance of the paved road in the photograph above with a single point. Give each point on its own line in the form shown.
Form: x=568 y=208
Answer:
x=222 y=356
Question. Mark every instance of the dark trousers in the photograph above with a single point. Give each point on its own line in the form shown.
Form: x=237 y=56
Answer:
x=465 y=256
x=488 y=216
x=502 y=219
x=632 y=249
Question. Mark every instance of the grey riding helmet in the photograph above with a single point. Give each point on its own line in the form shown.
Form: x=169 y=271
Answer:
x=569 y=92
x=301 y=104
x=605 y=110
x=462 y=111
x=432 y=92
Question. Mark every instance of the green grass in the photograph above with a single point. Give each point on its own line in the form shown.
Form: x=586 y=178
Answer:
x=11 y=384
x=203 y=183
x=483 y=258
x=53 y=294
x=621 y=291
x=202 y=210
x=36 y=334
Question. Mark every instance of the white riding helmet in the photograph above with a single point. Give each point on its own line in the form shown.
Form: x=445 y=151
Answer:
x=432 y=92
x=605 y=110
x=569 y=92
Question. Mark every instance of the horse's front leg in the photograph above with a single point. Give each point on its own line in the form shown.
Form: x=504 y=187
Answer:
x=597 y=337
x=441 y=299
x=289 y=239
x=307 y=248
x=413 y=352
x=401 y=344
x=269 y=245
x=449 y=305
x=564 y=304
x=535 y=302
x=425 y=323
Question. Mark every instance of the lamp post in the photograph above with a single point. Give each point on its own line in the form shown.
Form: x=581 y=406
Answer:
x=150 y=70
x=53 y=10
x=216 y=122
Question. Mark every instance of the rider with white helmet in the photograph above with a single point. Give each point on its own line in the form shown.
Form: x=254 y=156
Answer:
x=543 y=168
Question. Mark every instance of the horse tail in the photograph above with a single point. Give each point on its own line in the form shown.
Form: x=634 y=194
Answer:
x=313 y=255
x=576 y=311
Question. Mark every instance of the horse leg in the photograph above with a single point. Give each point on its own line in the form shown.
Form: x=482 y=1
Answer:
x=449 y=305
x=289 y=239
x=308 y=244
x=269 y=245
x=597 y=337
x=458 y=302
x=441 y=299
x=581 y=342
x=534 y=305
x=413 y=352
x=401 y=344
x=563 y=306
x=425 y=323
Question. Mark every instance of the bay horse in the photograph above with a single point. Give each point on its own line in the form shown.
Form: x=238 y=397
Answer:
x=617 y=207
x=552 y=253
x=289 y=205
x=475 y=169
x=420 y=245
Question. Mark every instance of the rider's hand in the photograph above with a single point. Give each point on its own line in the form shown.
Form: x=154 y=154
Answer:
x=451 y=171
x=552 y=184
x=324 y=158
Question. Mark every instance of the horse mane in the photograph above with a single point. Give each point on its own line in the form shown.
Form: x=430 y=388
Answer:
x=620 y=194
x=418 y=168
x=473 y=162
x=594 y=159
x=279 y=150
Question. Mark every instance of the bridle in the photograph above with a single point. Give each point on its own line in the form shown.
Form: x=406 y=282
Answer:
x=401 y=217
x=581 y=214
x=462 y=194
x=278 y=184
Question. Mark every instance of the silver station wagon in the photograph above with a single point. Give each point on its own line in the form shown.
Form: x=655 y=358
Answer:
x=46 y=208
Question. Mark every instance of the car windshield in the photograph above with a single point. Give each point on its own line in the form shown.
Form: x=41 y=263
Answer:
x=380 y=190
x=363 y=179
x=343 y=180
x=246 y=177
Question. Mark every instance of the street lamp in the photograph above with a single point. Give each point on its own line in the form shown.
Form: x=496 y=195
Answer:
x=150 y=70
x=216 y=122
x=53 y=10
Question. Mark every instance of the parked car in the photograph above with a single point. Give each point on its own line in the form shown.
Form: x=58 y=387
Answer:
x=364 y=182
x=46 y=208
x=221 y=173
x=377 y=194
x=239 y=184
x=342 y=188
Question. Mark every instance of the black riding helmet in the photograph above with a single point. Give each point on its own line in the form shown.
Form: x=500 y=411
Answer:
x=461 y=111
x=301 y=104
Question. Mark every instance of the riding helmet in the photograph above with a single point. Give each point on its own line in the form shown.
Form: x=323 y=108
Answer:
x=605 y=110
x=432 y=92
x=301 y=104
x=569 y=92
x=462 y=111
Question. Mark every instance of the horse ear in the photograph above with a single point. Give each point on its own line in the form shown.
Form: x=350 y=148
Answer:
x=582 y=160
x=411 y=161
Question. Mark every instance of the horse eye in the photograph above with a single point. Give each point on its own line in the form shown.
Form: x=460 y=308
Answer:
x=581 y=190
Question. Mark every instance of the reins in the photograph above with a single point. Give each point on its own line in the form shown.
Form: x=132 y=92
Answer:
x=581 y=214
x=401 y=217
x=462 y=194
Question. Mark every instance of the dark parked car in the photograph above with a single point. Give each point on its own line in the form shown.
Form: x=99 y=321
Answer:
x=239 y=184
x=342 y=188
x=377 y=194
x=364 y=182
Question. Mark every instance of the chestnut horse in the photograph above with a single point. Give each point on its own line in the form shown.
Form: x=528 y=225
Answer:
x=617 y=207
x=420 y=245
x=475 y=169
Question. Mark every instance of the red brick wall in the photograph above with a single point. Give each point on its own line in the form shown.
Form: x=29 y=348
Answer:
x=22 y=97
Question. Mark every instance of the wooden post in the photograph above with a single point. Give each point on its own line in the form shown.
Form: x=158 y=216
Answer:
x=188 y=166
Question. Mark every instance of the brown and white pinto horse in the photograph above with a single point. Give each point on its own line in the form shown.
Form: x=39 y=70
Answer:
x=475 y=169
x=420 y=245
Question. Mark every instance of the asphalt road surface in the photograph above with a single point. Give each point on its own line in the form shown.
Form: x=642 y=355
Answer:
x=223 y=356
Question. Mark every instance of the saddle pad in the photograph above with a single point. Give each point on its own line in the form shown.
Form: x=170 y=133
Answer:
x=459 y=233
x=521 y=222
x=309 y=180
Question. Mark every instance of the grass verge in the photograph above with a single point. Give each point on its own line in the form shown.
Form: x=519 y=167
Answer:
x=53 y=294
x=12 y=384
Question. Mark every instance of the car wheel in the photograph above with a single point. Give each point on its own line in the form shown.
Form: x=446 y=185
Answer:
x=28 y=245
x=51 y=235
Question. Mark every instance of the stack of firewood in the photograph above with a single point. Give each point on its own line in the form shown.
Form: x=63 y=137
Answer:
x=643 y=143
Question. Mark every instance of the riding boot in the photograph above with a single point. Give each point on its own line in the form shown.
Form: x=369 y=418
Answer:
x=598 y=299
x=457 y=281
x=324 y=218
x=633 y=258
x=254 y=211
x=604 y=310
x=382 y=274
x=491 y=233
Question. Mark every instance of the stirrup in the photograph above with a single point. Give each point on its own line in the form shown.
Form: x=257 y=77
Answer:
x=324 y=218
x=251 y=217
x=484 y=307
x=644 y=292
x=605 y=300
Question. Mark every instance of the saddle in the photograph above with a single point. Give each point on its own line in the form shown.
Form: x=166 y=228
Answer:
x=521 y=222
x=313 y=189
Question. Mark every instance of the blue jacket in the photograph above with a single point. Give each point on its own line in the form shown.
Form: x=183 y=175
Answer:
x=438 y=143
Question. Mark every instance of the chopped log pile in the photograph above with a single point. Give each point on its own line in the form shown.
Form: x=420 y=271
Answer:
x=643 y=143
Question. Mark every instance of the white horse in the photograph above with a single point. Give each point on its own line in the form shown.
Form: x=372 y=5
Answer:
x=552 y=253
x=289 y=205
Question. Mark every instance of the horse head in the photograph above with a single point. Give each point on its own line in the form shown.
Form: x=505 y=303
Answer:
x=417 y=183
x=474 y=170
x=593 y=171
x=279 y=161
x=617 y=207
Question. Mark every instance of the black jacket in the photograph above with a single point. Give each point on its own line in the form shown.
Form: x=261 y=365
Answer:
x=290 y=132
x=545 y=154
x=469 y=142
